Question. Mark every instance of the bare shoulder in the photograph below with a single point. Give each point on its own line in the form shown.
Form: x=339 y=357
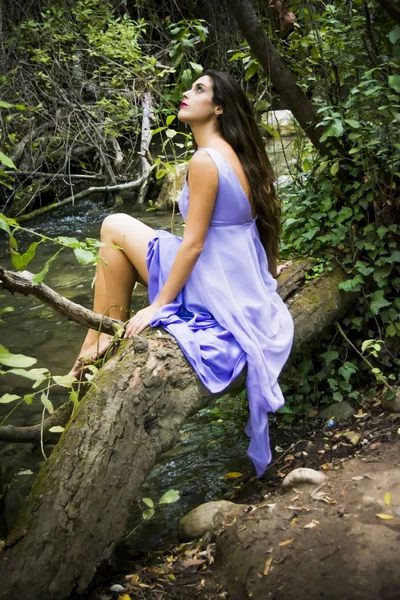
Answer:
x=202 y=165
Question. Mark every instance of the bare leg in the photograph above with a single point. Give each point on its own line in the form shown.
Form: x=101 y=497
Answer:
x=116 y=278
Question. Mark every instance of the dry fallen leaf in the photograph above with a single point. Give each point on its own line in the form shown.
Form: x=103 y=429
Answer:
x=313 y=523
x=385 y=517
x=232 y=475
x=358 y=477
x=267 y=565
x=134 y=577
x=387 y=498
x=193 y=562
x=286 y=542
x=352 y=436
x=124 y=597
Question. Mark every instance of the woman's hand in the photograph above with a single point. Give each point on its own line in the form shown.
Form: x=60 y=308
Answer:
x=140 y=320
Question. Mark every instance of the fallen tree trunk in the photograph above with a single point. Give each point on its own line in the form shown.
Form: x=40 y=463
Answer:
x=79 y=506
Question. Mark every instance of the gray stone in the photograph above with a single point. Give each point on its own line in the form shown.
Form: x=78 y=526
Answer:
x=392 y=405
x=207 y=518
x=339 y=412
x=280 y=121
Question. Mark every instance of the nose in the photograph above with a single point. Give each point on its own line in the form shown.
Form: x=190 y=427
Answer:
x=185 y=95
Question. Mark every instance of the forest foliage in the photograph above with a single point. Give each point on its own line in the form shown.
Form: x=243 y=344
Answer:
x=71 y=101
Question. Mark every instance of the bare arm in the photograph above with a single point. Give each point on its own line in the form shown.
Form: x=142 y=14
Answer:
x=203 y=186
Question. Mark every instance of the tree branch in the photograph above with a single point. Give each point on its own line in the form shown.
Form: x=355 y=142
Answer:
x=10 y=433
x=279 y=74
x=91 y=190
x=22 y=283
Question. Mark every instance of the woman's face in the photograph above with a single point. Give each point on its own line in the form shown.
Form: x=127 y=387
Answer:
x=197 y=105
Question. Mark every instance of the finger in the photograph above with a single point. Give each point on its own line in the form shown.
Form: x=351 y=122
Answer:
x=143 y=327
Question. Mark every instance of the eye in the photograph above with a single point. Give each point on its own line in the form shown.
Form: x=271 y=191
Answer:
x=199 y=88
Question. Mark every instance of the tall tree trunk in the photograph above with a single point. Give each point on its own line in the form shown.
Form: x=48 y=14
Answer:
x=278 y=73
x=392 y=8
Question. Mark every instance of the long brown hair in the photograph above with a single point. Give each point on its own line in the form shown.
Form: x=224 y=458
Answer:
x=239 y=128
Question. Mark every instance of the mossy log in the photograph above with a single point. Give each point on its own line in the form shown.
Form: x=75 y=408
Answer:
x=78 y=508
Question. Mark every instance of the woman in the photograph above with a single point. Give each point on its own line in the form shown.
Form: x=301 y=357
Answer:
x=212 y=289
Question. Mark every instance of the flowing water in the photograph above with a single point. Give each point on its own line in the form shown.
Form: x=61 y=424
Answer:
x=212 y=443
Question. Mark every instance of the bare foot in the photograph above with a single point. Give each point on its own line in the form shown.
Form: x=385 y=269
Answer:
x=94 y=347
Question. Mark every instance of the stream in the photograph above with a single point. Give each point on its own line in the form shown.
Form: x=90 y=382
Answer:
x=213 y=443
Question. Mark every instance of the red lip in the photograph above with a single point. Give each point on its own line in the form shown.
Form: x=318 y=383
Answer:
x=184 y=104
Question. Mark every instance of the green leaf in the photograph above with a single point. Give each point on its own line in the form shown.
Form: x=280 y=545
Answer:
x=252 y=70
x=84 y=257
x=148 y=502
x=6 y=161
x=353 y=123
x=148 y=513
x=6 y=104
x=47 y=403
x=6 y=398
x=347 y=370
x=394 y=35
x=334 y=168
x=330 y=356
x=344 y=214
x=271 y=130
x=15 y=360
x=170 y=119
x=335 y=130
x=36 y=375
x=352 y=285
x=71 y=242
x=377 y=302
x=170 y=133
x=394 y=82
x=20 y=261
x=198 y=69
x=64 y=380
x=4 y=225
x=169 y=497
x=157 y=130
x=38 y=278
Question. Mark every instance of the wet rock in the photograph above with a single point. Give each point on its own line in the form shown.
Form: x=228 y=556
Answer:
x=303 y=475
x=280 y=121
x=394 y=404
x=171 y=187
x=339 y=412
x=207 y=518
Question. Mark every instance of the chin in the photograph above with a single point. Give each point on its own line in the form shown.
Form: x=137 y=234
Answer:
x=182 y=117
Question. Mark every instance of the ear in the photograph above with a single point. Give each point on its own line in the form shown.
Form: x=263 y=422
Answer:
x=218 y=111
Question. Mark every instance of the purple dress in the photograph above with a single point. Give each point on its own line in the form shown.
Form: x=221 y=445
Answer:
x=228 y=313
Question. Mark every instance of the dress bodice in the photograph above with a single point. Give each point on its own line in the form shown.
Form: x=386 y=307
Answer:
x=232 y=206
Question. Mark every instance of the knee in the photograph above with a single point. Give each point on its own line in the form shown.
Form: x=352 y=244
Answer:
x=112 y=225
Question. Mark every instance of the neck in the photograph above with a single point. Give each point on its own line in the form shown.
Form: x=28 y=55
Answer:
x=205 y=134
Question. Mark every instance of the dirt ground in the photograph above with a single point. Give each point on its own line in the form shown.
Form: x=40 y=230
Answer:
x=338 y=541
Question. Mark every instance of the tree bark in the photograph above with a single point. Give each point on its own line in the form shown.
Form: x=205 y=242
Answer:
x=279 y=75
x=392 y=8
x=79 y=506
